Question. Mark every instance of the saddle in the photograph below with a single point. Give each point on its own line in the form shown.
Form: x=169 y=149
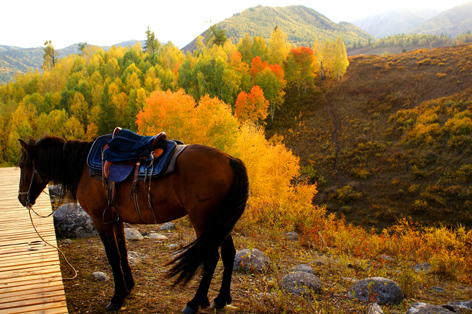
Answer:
x=113 y=157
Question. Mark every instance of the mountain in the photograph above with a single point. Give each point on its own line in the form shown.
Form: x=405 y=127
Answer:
x=15 y=60
x=394 y=22
x=301 y=24
x=454 y=22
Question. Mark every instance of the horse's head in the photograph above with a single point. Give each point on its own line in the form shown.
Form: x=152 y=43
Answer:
x=32 y=182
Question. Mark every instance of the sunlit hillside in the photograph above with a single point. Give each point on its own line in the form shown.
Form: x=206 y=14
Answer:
x=392 y=139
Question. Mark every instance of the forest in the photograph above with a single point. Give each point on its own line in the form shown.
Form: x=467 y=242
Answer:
x=221 y=95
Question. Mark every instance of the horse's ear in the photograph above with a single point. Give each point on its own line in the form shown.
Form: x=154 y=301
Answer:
x=24 y=146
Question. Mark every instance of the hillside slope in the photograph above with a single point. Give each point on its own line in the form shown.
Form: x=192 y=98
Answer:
x=301 y=24
x=392 y=139
x=394 y=22
x=454 y=22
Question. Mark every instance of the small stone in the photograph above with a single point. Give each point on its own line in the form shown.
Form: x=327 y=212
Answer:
x=386 y=258
x=173 y=246
x=133 y=234
x=422 y=268
x=66 y=241
x=133 y=257
x=303 y=267
x=100 y=276
x=168 y=226
x=291 y=236
x=157 y=236
x=437 y=289
x=374 y=308
x=301 y=283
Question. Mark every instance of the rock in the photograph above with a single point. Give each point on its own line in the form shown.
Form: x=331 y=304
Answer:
x=374 y=308
x=253 y=260
x=71 y=221
x=437 y=289
x=377 y=289
x=133 y=234
x=168 y=226
x=291 y=236
x=422 y=268
x=100 y=276
x=157 y=236
x=318 y=263
x=423 y=308
x=467 y=305
x=303 y=267
x=133 y=258
x=386 y=258
x=301 y=283
x=173 y=246
x=66 y=241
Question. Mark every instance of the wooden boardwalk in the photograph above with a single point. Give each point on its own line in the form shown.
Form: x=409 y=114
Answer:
x=30 y=275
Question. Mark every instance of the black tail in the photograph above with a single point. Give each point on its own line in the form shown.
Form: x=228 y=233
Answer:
x=192 y=255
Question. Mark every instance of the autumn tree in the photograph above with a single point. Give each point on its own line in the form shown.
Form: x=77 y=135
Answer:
x=318 y=55
x=340 y=59
x=299 y=67
x=210 y=122
x=215 y=36
x=245 y=48
x=278 y=46
x=271 y=80
x=253 y=106
x=50 y=56
x=152 y=45
x=259 y=48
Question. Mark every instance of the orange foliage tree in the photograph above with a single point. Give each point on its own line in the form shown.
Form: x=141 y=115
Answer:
x=210 y=122
x=253 y=106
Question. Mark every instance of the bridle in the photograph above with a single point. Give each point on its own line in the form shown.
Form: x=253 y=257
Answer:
x=28 y=193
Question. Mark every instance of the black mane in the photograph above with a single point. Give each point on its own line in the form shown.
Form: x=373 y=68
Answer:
x=62 y=161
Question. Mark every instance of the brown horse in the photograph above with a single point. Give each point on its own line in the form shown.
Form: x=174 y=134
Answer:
x=208 y=185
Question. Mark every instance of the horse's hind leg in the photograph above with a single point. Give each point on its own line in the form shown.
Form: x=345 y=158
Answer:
x=107 y=235
x=228 y=252
x=121 y=240
x=201 y=297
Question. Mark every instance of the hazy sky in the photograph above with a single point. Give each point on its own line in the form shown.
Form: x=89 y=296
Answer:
x=29 y=23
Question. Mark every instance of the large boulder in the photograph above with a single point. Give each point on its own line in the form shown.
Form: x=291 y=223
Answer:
x=424 y=308
x=251 y=260
x=376 y=289
x=301 y=283
x=71 y=221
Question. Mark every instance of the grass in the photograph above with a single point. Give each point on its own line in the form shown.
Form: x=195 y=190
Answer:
x=251 y=292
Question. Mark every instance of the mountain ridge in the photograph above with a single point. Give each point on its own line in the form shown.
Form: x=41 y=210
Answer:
x=394 y=22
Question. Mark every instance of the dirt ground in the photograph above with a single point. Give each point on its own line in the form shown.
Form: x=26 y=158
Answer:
x=251 y=292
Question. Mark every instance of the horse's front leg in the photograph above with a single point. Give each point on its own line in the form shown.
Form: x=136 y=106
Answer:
x=121 y=240
x=107 y=235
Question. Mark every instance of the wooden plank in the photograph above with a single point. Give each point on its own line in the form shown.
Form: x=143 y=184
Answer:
x=32 y=306
x=30 y=275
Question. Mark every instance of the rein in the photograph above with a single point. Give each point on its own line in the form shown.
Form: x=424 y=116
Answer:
x=30 y=209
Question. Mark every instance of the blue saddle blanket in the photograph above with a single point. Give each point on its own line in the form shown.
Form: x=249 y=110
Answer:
x=123 y=160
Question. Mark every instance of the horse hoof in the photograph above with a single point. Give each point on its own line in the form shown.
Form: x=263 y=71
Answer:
x=188 y=310
x=113 y=307
x=215 y=306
